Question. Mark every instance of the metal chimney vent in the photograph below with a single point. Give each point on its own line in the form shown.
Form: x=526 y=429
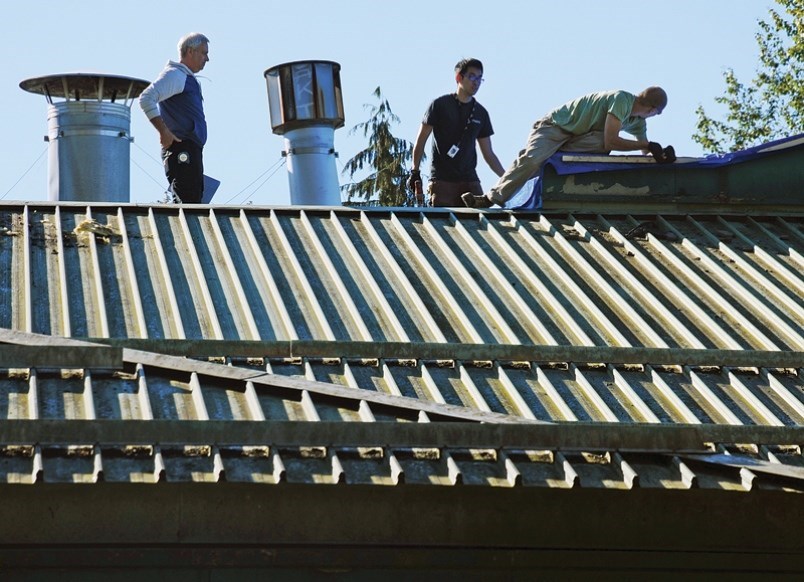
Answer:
x=306 y=106
x=89 y=134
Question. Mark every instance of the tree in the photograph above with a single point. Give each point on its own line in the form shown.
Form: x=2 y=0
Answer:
x=386 y=155
x=772 y=106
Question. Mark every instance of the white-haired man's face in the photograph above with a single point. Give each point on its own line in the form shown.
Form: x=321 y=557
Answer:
x=196 y=58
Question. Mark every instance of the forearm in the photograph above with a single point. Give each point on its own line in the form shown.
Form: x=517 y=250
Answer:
x=418 y=147
x=620 y=144
x=159 y=124
x=613 y=142
x=489 y=156
x=418 y=153
x=166 y=137
x=494 y=163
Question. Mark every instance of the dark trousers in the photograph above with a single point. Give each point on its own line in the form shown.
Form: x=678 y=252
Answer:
x=449 y=193
x=184 y=168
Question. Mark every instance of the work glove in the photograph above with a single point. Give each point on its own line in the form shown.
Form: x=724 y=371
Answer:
x=656 y=151
x=659 y=154
x=415 y=176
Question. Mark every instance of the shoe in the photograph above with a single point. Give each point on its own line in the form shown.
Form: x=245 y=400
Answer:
x=170 y=197
x=472 y=201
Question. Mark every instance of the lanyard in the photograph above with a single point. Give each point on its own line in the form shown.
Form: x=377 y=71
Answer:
x=468 y=119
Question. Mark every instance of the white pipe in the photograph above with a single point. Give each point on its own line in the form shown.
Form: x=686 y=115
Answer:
x=312 y=173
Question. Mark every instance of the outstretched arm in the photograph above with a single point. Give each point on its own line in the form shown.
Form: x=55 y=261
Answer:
x=613 y=141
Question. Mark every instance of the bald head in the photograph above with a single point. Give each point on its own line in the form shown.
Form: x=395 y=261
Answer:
x=654 y=98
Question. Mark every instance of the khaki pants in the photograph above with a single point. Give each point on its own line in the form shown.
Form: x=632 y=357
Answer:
x=544 y=140
x=449 y=193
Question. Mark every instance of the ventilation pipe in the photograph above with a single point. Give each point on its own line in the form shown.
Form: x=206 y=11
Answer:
x=89 y=138
x=306 y=106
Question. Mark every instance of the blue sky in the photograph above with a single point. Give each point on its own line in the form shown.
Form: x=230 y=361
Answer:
x=537 y=55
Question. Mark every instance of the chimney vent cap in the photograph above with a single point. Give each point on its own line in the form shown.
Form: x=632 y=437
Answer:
x=85 y=86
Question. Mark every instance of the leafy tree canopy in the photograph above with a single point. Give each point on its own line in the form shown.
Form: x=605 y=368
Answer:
x=772 y=106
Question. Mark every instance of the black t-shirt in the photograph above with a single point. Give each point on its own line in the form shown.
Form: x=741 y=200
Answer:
x=448 y=117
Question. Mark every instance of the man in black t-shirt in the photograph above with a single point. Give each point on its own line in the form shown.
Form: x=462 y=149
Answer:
x=456 y=121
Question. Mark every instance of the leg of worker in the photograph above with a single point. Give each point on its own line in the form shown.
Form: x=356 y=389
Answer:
x=544 y=140
x=184 y=168
x=591 y=143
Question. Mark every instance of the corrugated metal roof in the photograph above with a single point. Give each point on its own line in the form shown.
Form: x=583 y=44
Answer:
x=692 y=281
x=206 y=422
x=358 y=317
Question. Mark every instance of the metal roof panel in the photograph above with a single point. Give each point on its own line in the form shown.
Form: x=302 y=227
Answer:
x=410 y=317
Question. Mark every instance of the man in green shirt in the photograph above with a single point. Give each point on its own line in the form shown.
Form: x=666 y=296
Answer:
x=591 y=124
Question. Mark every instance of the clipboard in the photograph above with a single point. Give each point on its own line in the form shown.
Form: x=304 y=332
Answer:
x=210 y=187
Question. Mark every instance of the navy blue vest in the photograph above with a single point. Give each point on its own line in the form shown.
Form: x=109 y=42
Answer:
x=184 y=113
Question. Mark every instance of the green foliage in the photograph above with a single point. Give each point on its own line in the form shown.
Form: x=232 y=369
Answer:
x=386 y=156
x=771 y=107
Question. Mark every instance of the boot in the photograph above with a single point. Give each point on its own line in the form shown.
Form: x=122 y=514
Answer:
x=472 y=201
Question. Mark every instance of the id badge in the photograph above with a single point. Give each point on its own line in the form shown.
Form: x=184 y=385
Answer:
x=453 y=151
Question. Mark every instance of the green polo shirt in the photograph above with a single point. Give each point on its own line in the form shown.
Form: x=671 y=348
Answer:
x=588 y=113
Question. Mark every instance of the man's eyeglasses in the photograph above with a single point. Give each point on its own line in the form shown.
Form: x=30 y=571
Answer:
x=473 y=78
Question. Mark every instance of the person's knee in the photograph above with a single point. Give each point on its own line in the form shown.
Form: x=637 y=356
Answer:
x=528 y=163
x=185 y=174
x=592 y=142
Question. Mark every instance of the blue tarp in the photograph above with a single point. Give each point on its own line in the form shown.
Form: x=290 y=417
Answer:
x=529 y=196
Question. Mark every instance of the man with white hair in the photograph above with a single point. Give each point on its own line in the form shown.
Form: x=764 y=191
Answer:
x=174 y=105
